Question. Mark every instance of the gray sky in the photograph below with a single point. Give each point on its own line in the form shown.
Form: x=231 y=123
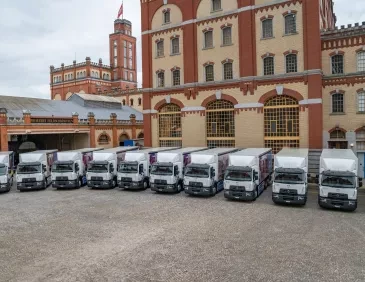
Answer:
x=39 y=33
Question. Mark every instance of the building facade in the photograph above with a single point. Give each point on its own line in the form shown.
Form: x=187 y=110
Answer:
x=97 y=78
x=251 y=73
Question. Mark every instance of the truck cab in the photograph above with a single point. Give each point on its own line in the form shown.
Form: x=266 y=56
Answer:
x=338 y=179
x=240 y=182
x=66 y=174
x=165 y=177
x=100 y=174
x=6 y=171
x=200 y=179
x=290 y=184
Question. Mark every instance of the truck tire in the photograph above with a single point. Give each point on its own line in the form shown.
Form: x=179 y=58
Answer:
x=179 y=187
x=145 y=184
x=44 y=185
x=256 y=194
x=214 y=190
x=114 y=183
x=79 y=184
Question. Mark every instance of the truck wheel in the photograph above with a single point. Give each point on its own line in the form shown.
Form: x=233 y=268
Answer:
x=79 y=184
x=114 y=183
x=179 y=187
x=256 y=194
x=214 y=191
x=44 y=185
x=145 y=185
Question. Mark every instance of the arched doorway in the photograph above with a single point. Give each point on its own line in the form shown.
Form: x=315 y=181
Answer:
x=123 y=137
x=220 y=124
x=140 y=135
x=281 y=123
x=169 y=125
x=338 y=139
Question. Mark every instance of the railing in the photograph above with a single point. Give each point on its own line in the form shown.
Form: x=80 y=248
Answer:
x=80 y=65
x=14 y=120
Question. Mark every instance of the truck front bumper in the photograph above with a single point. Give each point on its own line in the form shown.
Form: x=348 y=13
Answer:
x=4 y=187
x=165 y=188
x=104 y=184
x=65 y=184
x=22 y=186
x=199 y=191
x=329 y=203
x=278 y=198
x=240 y=195
x=130 y=185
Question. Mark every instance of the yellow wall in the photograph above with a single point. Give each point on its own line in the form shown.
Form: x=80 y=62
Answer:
x=57 y=97
x=205 y=8
x=218 y=53
x=175 y=16
x=245 y=121
x=280 y=43
x=154 y=129
x=303 y=129
x=193 y=130
x=167 y=62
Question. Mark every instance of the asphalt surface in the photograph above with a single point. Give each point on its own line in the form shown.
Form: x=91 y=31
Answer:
x=115 y=235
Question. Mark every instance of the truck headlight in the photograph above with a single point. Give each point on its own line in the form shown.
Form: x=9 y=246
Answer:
x=70 y=182
x=105 y=182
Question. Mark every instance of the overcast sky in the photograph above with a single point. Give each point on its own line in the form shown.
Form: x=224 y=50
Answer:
x=38 y=33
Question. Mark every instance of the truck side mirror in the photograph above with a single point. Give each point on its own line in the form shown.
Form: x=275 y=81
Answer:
x=77 y=168
x=44 y=168
x=111 y=168
x=256 y=175
x=140 y=169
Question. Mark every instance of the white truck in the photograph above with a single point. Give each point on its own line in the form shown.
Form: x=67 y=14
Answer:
x=6 y=170
x=134 y=171
x=338 y=179
x=204 y=175
x=290 y=183
x=34 y=169
x=102 y=170
x=69 y=171
x=167 y=173
x=248 y=174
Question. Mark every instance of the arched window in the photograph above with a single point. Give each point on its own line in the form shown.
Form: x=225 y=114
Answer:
x=131 y=102
x=122 y=138
x=269 y=68
x=338 y=139
x=267 y=31
x=291 y=63
x=103 y=139
x=209 y=73
x=175 y=77
x=227 y=36
x=140 y=135
x=84 y=73
x=281 y=123
x=360 y=140
x=361 y=61
x=92 y=74
x=220 y=124
x=123 y=102
x=161 y=79
x=175 y=46
x=337 y=64
x=337 y=103
x=338 y=134
x=361 y=102
x=169 y=124
x=208 y=39
x=139 y=101
x=290 y=24
x=160 y=48
x=227 y=71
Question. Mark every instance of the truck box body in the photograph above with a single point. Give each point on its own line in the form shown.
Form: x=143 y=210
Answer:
x=248 y=173
x=290 y=176
x=34 y=169
x=168 y=172
x=69 y=171
x=205 y=174
x=102 y=170
x=338 y=179
x=6 y=170
x=134 y=171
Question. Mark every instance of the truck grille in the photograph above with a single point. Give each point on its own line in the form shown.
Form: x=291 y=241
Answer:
x=288 y=192
x=160 y=181
x=61 y=178
x=126 y=179
x=29 y=179
x=195 y=184
x=96 y=178
x=237 y=188
x=338 y=196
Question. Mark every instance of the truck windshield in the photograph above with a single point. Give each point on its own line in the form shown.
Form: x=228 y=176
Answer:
x=62 y=167
x=128 y=168
x=290 y=178
x=238 y=175
x=200 y=172
x=3 y=169
x=338 y=181
x=161 y=170
x=29 y=168
x=98 y=168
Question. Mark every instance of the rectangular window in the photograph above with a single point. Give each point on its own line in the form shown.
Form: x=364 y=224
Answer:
x=216 y=5
x=337 y=103
x=166 y=17
x=115 y=62
x=209 y=73
x=160 y=79
x=130 y=53
x=125 y=62
x=115 y=51
x=272 y=126
x=337 y=64
x=214 y=128
x=208 y=39
x=269 y=66
x=267 y=31
x=175 y=48
x=289 y=126
x=131 y=76
x=115 y=75
x=176 y=77
x=130 y=64
x=115 y=43
x=125 y=75
x=290 y=24
x=361 y=102
x=361 y=61
x=160 y=49
x=291 y=63
x=227 y=70
x=227 y=36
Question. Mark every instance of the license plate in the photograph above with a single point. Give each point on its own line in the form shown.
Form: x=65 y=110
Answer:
x=126 y=186
x=287 y=201
x=96 y=185
x=336 y=206
x=160 y=189
x=195 y=192
x=236 y=197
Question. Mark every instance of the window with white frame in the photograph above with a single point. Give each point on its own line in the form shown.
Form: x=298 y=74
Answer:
x=361 y=61
x=131 y=76
x=166 y=17
x=269 y=66
x=209 y=73
x=337 y=64
x=337 y=103
x=161 y=79
x=291 y=63
x=208 y=39
x=125 y=75
x=125 y=54
x=216 y=5
x=361 y=102
x=175 y=48
x=175 y=77
x=360 y=140
x=227 y=71
x=227 y=35
x=290 y=24
x=160 y=49
x=267 y=31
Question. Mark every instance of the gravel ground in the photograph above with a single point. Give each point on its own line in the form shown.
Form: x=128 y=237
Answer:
x=114 y=235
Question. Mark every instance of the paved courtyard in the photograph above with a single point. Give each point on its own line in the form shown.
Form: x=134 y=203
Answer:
x=114 y=235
